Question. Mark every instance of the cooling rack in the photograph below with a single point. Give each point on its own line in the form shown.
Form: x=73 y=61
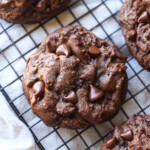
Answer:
x=99 y=16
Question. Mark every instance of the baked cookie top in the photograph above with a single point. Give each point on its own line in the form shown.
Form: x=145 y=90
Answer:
x=75 y=79
x=135 y=22
x=30 y=11
x=134 y=134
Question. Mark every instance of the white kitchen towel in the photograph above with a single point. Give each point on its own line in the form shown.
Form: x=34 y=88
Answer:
x=14 y=135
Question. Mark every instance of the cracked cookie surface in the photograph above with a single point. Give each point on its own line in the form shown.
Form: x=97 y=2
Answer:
x=134 y=17
x=30 y=11
x=134 y=134
x=75 y=79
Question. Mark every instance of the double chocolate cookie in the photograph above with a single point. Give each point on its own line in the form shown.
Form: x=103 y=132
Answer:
x=134 y=134
x=75 y=79
x=135 y=22
x=30 y=11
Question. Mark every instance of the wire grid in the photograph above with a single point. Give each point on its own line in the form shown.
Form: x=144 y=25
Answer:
x=14 y=53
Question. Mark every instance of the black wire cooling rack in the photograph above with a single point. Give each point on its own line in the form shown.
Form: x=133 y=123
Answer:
x=139 y=86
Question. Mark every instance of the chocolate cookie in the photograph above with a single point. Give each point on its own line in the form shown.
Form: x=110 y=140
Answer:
x=75 y=79
x=134 y=17
x=134 y=134
x=30 y=11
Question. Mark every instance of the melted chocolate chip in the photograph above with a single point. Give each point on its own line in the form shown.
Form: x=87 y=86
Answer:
x=111 y=142
x=38 y=88
x=146 y=2
x=63 y=49
x=127 y=135
x=131 y=35
x=94 y=51
x=71 y=97
x=95 y=93
x=41 y=6
x=144 y=17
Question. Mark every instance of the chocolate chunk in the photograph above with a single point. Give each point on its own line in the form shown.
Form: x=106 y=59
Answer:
x=38 y=88
x=111 y=142
x=95 y=93
x=146 y=2
x=94 y=51
x=131 y=35
x=71 y=97
x=127 y=135
x=144 y=17
x=63 y=49
x=41 y=6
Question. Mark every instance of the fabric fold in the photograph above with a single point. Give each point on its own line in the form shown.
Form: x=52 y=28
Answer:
x=14 y=135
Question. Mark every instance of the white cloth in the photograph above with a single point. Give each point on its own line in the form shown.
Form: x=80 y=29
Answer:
x=14 y=135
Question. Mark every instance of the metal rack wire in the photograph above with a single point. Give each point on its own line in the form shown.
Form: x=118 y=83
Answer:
x=134 y=75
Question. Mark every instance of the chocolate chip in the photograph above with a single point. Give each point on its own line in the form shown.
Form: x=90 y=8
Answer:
x=38 y=88
x=71 y=97
x=131 y=35
x=127 y=135
x=63 y=49
x=41 y=6
x=144 y=17
x=94 y=51
x=146 y=2
x=95 y=93
x=111 y=142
